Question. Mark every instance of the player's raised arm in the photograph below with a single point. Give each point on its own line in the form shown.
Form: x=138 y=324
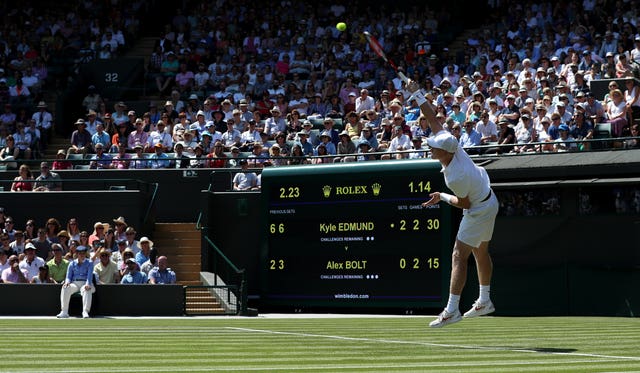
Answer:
x=426 y=107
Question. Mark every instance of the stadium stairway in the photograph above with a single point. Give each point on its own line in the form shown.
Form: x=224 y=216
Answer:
x=200 y=301
x=180 y=243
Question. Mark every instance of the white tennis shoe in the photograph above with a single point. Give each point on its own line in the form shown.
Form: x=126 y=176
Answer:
x=445 y=318
x=62 y=315
x=480 y=309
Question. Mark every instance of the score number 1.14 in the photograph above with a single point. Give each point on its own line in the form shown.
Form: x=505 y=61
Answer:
x=419 y=187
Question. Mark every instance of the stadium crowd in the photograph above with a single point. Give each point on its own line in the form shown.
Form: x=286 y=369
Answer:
x=42 y=254
x=283 y=86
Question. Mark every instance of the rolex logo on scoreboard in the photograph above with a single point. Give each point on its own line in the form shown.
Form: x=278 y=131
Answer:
x=348 y=190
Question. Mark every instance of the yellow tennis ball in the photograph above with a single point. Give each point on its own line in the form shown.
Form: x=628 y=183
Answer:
x=341 y=26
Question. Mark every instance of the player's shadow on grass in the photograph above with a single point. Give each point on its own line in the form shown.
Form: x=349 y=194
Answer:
x=544 y=350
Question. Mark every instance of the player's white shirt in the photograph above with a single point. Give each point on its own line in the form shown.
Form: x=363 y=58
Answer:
x=466 y=179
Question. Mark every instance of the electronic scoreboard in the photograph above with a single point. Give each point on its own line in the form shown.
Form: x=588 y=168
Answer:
x=355 y=235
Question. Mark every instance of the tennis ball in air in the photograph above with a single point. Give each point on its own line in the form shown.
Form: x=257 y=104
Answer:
x=341 y=26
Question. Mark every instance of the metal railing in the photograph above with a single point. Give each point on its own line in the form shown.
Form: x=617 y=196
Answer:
x=226 y=275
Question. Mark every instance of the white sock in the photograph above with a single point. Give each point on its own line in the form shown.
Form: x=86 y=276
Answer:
x=484 y=293
x=452 y=304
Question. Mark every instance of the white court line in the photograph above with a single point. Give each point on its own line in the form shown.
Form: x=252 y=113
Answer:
x=468 y=347
x=330 y=367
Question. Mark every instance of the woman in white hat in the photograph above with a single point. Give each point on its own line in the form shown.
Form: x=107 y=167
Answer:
x=472 y=193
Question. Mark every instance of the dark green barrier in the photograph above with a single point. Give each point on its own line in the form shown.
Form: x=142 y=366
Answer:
x=108 y=300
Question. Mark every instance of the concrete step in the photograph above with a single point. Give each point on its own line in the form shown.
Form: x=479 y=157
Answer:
x=200 y=301
x=212 y=311
x=187 y=276
x=180 y=242
x=171 y=227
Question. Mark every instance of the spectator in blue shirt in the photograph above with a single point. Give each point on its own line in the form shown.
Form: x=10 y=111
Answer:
x=161 y=274
x=134 y=276
x=470 y=138
x=159 y=159
x=100 y=137
x=100 y=160
x=79 y=279
x=145 y=247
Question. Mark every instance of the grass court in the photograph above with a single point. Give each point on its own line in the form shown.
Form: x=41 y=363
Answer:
x=320 y=343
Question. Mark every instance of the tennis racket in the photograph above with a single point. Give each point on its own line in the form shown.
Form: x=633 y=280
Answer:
x=377 y=48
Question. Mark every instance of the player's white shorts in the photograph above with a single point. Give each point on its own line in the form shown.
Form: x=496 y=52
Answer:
x=477 y=226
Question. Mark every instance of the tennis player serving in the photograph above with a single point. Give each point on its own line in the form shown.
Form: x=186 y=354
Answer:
x=472 y=193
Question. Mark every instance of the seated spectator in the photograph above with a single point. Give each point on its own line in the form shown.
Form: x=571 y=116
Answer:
x=320 y=156
x=199 y=159
x=132 y=243
x=297 y=157
x=63 y=240
x=161 y=274
x=8 y=228
x=180 y=160
x=346 y=145
x=14 y=274
x=160 y=136
x=79 y=278
x=100 y=137
x=617 y=113
x=581 y=129
x=120 y=139
x=22 y=140
x=138 y=136
x=159 y=159
x=275 y=156
x=24 y=180
x=18 y=244
x=106 y=270
x=47 y=181
x=633 y=143
x=400 y=140
x=58 y=264
x=565 y=142
x=506 y=136
x=149 y=264
x=139 y=159
x=244 y=180
x=31 y=263
x=525 y=135
x=122 y=265
x=8 y=149
x=80 y=139
x=4 y=261
x=325 y=140
x=42 y=244
x=37 y=145
x=143 y=254
x=258 y=157
x=133 y=274
x=52 y=227
x=122 y=160
x=61 y=163
x=470 y=138
x=217 y=158
x=97 y=234
x=43 y=276
x=364 y=151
